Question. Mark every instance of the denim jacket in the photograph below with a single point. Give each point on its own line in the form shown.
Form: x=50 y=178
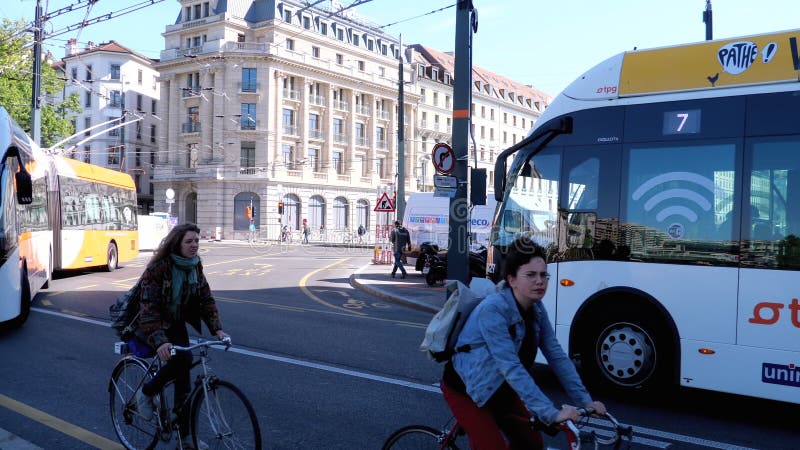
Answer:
x=494 y=357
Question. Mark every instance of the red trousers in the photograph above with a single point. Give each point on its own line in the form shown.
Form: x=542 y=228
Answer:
x=502 y=423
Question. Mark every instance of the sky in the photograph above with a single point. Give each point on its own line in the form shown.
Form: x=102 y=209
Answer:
x=543 y=43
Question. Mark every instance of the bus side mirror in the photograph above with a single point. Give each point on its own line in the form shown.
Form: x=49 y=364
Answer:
x=24 y=186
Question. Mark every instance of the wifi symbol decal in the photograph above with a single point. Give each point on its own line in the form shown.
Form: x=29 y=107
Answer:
x=675 y=194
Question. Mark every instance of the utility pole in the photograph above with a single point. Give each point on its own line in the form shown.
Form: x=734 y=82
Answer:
x=36 y=112
x=401 y=147
x=122 y=152
x=707 y=19
x=458 y=251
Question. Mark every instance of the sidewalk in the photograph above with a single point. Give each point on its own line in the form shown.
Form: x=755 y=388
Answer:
x=413 y=291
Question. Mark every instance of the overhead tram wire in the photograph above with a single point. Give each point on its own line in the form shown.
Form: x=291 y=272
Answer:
x=417 y=17
x=103 y=17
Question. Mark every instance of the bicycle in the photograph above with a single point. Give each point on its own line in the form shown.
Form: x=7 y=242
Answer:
x=220 y=414
x=420 y=437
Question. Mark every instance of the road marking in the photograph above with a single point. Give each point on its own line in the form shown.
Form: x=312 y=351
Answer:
x=87 y=286
x=306 y=291
x=81 y=434
x=639 y=431
x=11 y=442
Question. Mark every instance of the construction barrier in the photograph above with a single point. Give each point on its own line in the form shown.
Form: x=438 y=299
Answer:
x=382 y=256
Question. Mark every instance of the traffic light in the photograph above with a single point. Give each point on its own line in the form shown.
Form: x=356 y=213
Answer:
x=248 y=212
x=280 y=207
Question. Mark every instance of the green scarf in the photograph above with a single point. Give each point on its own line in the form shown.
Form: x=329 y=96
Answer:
x=184 y=273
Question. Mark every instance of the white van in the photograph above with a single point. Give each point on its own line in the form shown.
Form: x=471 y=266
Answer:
x=427 y=219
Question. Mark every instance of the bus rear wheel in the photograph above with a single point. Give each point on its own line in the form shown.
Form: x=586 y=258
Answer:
x=112 y=259
x=624 y=351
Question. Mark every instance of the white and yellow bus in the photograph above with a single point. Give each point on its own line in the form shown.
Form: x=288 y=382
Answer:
x=94 y=215
x=673 y=178
x=56 y=213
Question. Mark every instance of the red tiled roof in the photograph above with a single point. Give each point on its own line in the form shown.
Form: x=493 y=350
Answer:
x=111 y=46
x=499 y=82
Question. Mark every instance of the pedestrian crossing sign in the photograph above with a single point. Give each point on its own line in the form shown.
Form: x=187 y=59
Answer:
x=384 y=204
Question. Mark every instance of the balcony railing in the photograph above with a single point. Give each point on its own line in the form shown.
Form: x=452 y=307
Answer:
x=316 y=134
x=190 y=127
x=318 y=100
x=249 y=124
x=362 y=141
x=380 y=144
x=291 y=94
x=340 y=105
x=363 y=110
x=291 y=130
x=340 y=138
x=249 y=88
x=193 y=91
x=383 y=114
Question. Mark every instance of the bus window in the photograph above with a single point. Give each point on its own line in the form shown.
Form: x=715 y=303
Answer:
x=677 y=201
x=532 y=201
x=771 y=225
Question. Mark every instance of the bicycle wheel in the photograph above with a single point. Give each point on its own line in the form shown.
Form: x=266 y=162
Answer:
x=418 y=437
x=225 y=419
x=134 y=431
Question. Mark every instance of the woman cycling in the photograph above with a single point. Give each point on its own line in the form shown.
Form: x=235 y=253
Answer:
x=488 y=385
x=174 y=292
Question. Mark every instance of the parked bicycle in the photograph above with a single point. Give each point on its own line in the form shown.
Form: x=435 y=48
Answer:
x=220 y=414
x=421 y=437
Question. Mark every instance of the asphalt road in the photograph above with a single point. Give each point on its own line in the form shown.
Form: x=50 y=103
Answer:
x=325 y=365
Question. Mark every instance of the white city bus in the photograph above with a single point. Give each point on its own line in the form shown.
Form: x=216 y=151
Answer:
x=77 y=215
x=669 y=184
x=25 y=235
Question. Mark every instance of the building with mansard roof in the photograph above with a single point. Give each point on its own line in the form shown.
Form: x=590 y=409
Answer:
x=108 y=79
x=280 y=102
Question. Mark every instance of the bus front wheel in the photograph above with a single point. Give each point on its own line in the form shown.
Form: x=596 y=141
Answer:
x=24 y=300
x=112 y=259
x=626 y=351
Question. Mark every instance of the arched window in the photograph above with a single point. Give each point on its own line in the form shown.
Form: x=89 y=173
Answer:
x=316 y=211
x=362 y=213
x=341 y=213
x=291 y=211
x=243 y=202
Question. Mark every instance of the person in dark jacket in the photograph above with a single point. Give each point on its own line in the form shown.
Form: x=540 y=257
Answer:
x=174 y=292
x=400 y=240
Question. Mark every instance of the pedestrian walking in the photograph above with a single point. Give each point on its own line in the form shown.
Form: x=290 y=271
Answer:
x=400 y=239
x=306 y=231
x=361 y=232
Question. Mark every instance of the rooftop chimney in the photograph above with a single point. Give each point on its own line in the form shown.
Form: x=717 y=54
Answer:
x=72 y=47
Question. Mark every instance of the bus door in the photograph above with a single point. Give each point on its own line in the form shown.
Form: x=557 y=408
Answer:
x=769 y=278
x=588 y=225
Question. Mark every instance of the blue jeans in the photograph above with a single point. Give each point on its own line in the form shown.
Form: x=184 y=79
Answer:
x=398 y=262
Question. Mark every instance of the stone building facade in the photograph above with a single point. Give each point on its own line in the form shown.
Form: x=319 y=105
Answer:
x=277 y=102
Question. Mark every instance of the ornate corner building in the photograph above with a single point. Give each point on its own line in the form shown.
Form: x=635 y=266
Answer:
x=276 y=101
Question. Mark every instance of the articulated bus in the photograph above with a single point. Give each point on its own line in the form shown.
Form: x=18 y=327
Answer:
x=56 y=213
x=665 y=186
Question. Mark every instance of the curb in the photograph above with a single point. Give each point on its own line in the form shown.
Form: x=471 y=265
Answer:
x=381 y=294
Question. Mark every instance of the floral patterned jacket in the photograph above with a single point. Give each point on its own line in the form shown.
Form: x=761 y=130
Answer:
x=155 y=298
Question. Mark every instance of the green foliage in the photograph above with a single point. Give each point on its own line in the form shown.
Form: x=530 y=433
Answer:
x=16 y=64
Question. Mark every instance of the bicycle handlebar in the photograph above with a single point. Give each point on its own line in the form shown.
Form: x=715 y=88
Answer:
x=620 y=431
x=224 y=342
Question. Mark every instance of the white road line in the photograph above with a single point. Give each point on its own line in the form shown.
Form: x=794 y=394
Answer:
x=639 y=432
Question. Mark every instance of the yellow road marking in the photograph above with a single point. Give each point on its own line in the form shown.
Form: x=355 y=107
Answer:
x=305 y=290
x=87 y=287
x=81 y=434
